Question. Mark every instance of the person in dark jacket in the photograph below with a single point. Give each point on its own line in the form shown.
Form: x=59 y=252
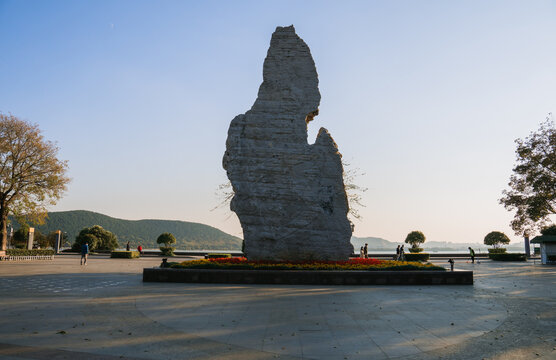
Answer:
x=84 y=253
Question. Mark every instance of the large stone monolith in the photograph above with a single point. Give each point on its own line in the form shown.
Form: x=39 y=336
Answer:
x=289 y=195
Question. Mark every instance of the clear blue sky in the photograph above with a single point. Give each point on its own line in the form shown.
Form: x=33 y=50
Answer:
x=424 y=97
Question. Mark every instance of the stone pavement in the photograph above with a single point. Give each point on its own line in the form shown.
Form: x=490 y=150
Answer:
x=61 y=310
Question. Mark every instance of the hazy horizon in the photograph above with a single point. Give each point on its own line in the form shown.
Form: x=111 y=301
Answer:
x=425 y=98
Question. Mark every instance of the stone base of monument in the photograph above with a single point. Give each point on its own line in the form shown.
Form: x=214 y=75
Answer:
x=305 y=277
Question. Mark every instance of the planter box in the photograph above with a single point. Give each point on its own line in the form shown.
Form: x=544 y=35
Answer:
x=308 y=277
x=125 y=254
x=507 y=257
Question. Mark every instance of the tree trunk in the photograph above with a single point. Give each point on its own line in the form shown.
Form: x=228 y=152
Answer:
x=3 y=227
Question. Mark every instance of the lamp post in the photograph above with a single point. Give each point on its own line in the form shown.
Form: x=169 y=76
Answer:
x=10 y=235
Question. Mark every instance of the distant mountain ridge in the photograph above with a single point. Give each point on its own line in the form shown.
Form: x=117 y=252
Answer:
x=189 y=235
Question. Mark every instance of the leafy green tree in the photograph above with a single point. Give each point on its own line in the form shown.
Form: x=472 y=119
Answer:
x=495 y=238
x=53 y=237
x=415 y=238
x=31 y=176
x=42 y=240
x=549 y=230
x=167 y=239
x=97 y=237
x=533 y=181
x=20 y=236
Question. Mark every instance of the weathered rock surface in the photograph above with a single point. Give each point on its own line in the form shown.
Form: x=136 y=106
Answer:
x=289 y=195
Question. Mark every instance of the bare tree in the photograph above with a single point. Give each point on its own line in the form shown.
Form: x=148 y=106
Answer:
x=354 y=192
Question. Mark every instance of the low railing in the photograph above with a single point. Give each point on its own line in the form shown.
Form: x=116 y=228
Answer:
x=31 y=257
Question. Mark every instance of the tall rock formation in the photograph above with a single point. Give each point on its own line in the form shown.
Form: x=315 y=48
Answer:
x=289 y=195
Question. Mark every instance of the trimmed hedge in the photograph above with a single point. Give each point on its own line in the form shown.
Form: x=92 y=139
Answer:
x=218 y=256
x=167 y=250
x=125 y=254
x=415 y=250
x=497 y=251
x=25 y=252
x=417 y=257
x=508 y=257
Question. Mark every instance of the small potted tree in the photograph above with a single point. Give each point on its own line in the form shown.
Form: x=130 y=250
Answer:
x=167 y=239
x=494 y=239
x=416 y=238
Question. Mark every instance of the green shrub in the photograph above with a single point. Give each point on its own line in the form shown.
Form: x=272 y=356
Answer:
x=549 y=230
x=415 y=238
x=167 y=250
x=507 y=257
x=497 y=251
x=218 y=256
x=125 y=254
x=417 y=257
x=25 y=252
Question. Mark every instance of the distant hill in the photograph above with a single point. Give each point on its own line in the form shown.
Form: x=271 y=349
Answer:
x=189 y=235
x=374 y=243
x=382 y=244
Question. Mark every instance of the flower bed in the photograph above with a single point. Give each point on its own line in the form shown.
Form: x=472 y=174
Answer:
x=241 y=263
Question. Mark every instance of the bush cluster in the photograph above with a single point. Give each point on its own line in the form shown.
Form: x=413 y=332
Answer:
x=507 y=257
x=125 y=254
x=97 y=237
x=417 y=256
x=497 y=251
x=25 y=252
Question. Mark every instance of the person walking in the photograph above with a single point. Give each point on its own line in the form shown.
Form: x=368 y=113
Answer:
x=140 y=249
x=402 y=254
x=127 y=248
x=365 y=251
x=397 y=253
x=362 y=253
x=472 y=255
x=84 y=253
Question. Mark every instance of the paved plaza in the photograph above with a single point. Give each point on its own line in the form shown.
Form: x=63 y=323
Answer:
x=61 y=310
